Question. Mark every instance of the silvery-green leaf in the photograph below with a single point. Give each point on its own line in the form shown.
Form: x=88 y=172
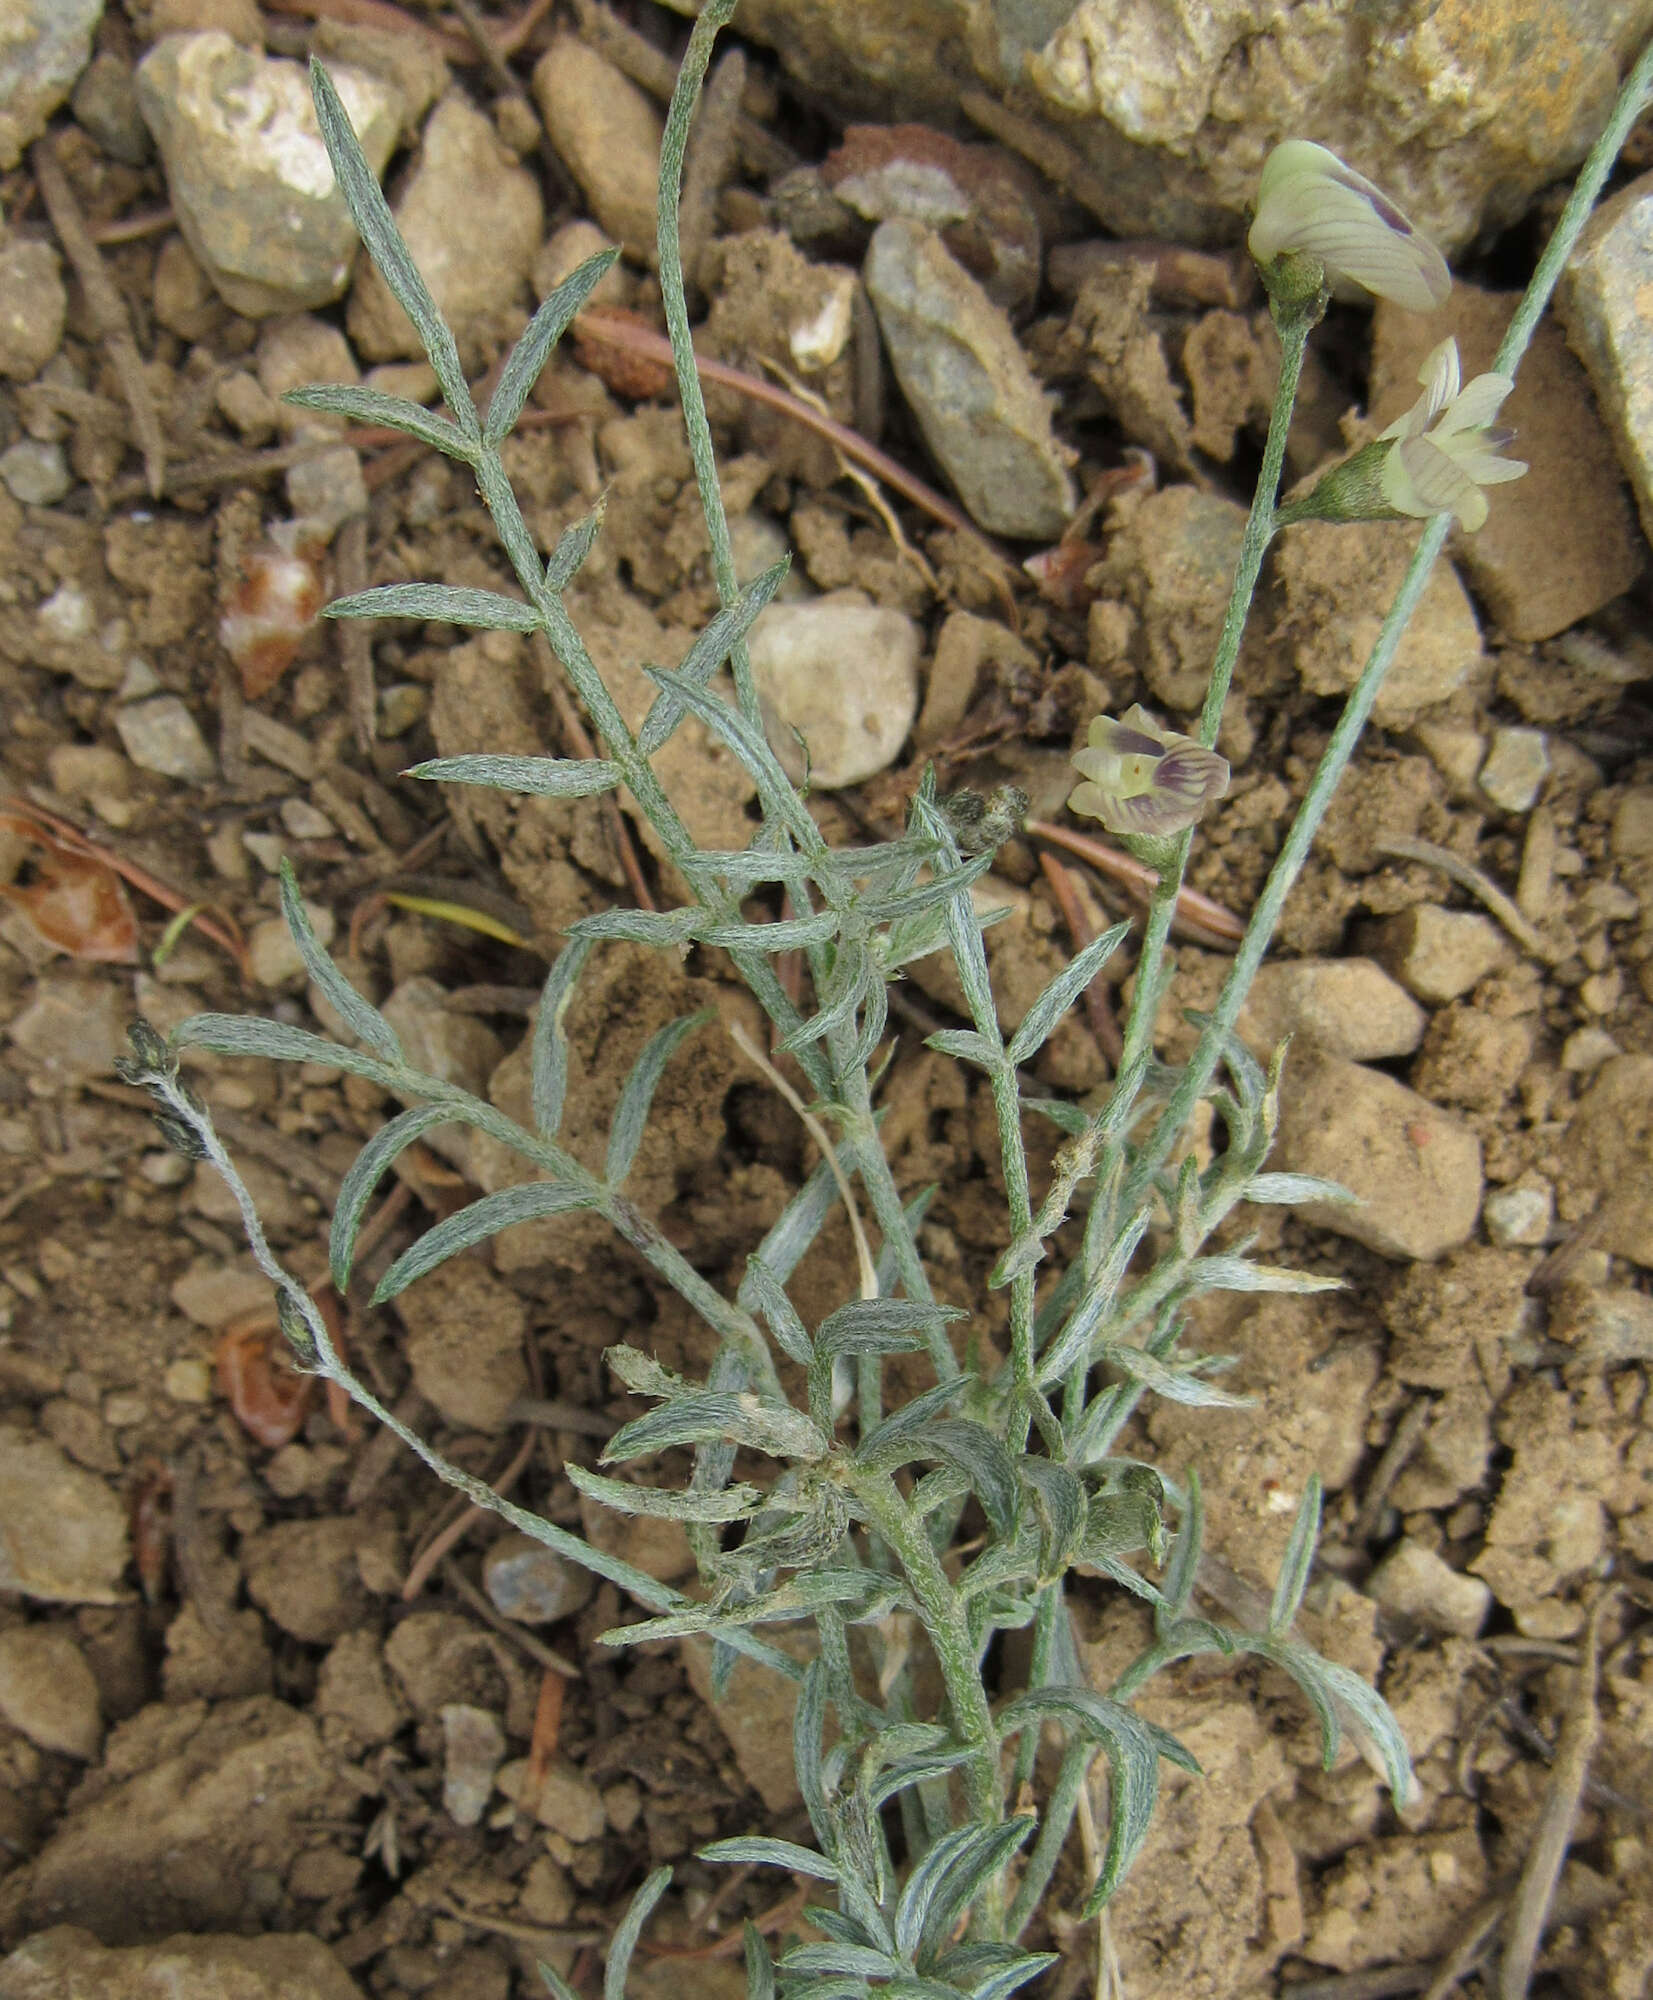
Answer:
x=371 y=214
x=703 y=1416
x=1053 y=1003
x=1239 y=1274
x=709 y=652
x=785 y=934
x=642 y=1374
x=631 y=1929
x=889 y=1444
x=984 y=1461
x=574 y=544
x=549 y=1053
x=761 y=1291
x=1061 y=1502
x=956 y=883
x=867 y=1318
x=964 y=1045
x=556 y=1985
x=808 y=1722
x=852 y=974
x=360 y=1016
x=532 y=777
x=1295 y=1188
x=918 y=1770
x=858 y=1961
x=1176 y=1385
x=439 y=603
x=1072 y=1343
x=1297 y=1561
x=1328 y=1686
x=757 y=1850
x=528 y=1202
x=730 y=1503
x=1184 y=1565
x=760 y=1967
x=631 y=1114
x=540 y=335
x=665 y=930
x=948 y=1877
x=275 y=1041
x=356 y=1189
x=1061 y=1111
x=396 y=413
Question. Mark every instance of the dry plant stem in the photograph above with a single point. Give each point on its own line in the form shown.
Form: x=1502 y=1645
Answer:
x=1097 y=1011
x=108 y=310
x=1403 y=1441
x=355 y=641
x=1402 y=847
x=1531 y=1903
x=1207 y=922
x=1470 y=1950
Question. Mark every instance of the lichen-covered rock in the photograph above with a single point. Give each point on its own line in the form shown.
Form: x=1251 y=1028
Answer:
x=44 y=46
x=251 y=183
x=1174 y=103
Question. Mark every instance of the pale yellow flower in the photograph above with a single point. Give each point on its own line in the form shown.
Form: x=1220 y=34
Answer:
x=1446 y=446
x=1312 y=205
x=1142 y=778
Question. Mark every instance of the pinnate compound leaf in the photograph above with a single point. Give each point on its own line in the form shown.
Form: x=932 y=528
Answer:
x=275 y=1041
x=631 y=1929
x=660 y=1503
x=755 y=1850
x=1043 y=1016
x=439 y=603
x=1297 y=1561
x=631 y=1114
x=360 y=1016
x=539 y=336
x=370 y=1164
x=395 y=413
x=531 y=1201
x=532 y=777
x=709 y=651
x=371 y=214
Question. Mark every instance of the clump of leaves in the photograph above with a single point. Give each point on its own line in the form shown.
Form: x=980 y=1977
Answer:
x=848 y=1520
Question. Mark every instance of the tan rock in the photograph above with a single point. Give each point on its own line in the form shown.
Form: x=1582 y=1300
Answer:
x=608 y=133
x=1414 y=1581
x=1607 y=1153
x=65 y=1962
x=47 y=1690
x=62 y=1530
x=1345 y=1006
x=1438 y=954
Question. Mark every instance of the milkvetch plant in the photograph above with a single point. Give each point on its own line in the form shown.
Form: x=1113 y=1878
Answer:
x=908 y=1534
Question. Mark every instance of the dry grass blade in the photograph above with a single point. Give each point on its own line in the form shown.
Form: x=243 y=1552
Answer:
x=1404 y=848
x=108 y=310
x=1531 y=1904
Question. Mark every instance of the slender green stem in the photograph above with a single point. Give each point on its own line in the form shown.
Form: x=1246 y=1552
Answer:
x=1294 y=325
x=1053 y=1833
x=948 y=1627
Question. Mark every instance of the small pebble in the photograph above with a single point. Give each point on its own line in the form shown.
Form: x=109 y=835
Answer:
x=401 y=706
x=1586 y=1049
x=35 y=473
x=305 y=821
x=607 y=132
x=190 y=1379
x=266 y=849
x=138 y=680
x=68 y=614
x=843 y=675
x=47 y=1690
x=567 y=1801
x=1414 y=1581
x=65 y=1540
x=533 y=1584
x=161 y=735
x=273 y=956
x=105 y=104
x=474 y=1745
x=1516 y=767
x=1519 y=1217
x=326 y=490
x=164 y=1170
x=1438 y=955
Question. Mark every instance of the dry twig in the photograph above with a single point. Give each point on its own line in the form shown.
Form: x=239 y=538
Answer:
x=1404 y=848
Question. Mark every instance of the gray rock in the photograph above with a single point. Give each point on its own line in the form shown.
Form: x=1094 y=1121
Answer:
x=44 y=46
x=325 y=491
x=250 y=179
x=567 y=1802
x=33 y=305
x=105 y=105
x=1337 y=581
x=1173 y=103
x=1599 y=301
x=72 y=1028
x=608 y=134
x=1519 y=1216
x=63 y=1962
x=1517 y=765
x=1345 y=1007
x=1415 y=1170
x=1436 y=954
x=62 y=1530
x=47 y=1690
x=472 y=218
x=473 y=1749
x=533 y=1584
x=161 y=735
x=968 y=383
x=1414 y=1581
x=35 y=473
x=843 y=675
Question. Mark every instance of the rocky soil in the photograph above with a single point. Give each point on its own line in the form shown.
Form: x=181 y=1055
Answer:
x=276 y=1718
